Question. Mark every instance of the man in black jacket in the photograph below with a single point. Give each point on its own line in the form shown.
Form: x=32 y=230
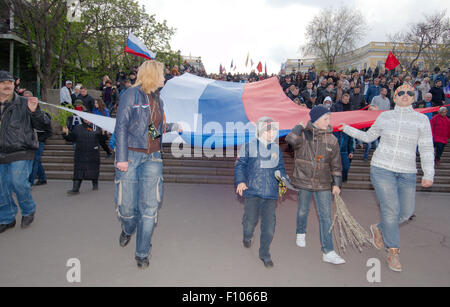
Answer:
x=19 y=116
x=357 y=99
x=87 y=99
x=309 y=95
x=438 y=94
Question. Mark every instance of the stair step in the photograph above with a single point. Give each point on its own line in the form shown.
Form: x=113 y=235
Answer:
x=58 y=155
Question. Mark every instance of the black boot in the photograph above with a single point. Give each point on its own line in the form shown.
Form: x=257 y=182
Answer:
x=142 y=263
x=27 y=220
x=76 y=188
x=4 y=227
x=95 y=185
x=124 y=239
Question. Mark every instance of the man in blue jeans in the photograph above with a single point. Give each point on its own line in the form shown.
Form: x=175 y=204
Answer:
x=393 y=167
x=19 y=116
x=139 y=126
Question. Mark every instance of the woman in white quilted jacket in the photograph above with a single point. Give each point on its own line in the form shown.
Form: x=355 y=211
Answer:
x=393 y=167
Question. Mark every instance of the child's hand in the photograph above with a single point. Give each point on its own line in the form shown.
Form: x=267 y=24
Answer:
x=240 y=188
x=336 y=190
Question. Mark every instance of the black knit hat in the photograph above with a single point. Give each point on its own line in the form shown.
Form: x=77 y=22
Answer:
x=317 y=112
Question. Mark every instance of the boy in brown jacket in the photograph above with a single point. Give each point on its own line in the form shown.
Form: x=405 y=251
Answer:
x=318 y=172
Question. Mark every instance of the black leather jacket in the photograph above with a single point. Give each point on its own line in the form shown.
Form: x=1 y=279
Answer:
x=17 y=129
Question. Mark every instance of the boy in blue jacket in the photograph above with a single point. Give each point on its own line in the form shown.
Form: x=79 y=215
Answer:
x=254 y=176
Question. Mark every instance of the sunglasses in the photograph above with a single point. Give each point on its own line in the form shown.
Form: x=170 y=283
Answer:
x=410 y=93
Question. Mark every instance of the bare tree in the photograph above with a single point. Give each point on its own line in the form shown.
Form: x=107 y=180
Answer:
x=428 y=39
x=332 y=33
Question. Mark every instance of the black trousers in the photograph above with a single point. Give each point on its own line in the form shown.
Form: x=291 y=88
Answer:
x=102 y=142
x=439 y=149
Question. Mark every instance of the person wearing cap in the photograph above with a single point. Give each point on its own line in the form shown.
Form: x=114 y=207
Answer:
x=87 y=155
x=327 y=102
x=255 y=180
x=317 y=172
x=19 y=117
x=393 y=167
x=75 y=120
x=65 y=94
x=126 y=85
x=132 y=77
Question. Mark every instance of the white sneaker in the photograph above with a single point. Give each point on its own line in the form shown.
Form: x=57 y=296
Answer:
x=301 y=242
x=333 y=258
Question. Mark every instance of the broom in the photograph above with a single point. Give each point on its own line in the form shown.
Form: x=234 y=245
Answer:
x=346 y=230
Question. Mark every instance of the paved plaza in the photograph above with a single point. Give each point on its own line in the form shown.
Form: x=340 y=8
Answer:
x=198 y=242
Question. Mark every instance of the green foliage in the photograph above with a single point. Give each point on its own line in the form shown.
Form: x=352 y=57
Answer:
x=90 y=48
x=60 y=116
x=103 y=52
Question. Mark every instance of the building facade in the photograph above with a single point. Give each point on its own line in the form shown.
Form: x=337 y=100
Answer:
x=372 y=55
x=194 y=61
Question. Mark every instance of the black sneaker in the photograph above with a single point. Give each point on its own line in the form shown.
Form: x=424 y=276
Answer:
x=41 y=182
x=27 y=220
x=267 y=263
x=247 y=244
x=142 y=263
x=4 y=227
x=124 y=239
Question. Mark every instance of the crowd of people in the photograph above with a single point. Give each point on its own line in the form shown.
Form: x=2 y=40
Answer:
x=323 y=93
x=371 y=90
x=313 y=88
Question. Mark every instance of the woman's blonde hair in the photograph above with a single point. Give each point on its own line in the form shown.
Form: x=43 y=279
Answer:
x=150 y=76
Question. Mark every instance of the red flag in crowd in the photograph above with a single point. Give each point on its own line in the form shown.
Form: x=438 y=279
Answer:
x=259 y=67
x=220 y=69
x=265 y=68
x=391 y=61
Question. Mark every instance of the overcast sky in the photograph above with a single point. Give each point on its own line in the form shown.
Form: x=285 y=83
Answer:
x=270 y=30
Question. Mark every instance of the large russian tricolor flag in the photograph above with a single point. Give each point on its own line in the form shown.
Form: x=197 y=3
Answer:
x=137 y=47
x=206 y=107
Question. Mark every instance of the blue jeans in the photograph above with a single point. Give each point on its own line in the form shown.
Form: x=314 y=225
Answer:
x=255 y=207
x=368 y=147
x=138 y=195
x=14 y=179
x=37 y=166
x=323 y=205
x=396 y=193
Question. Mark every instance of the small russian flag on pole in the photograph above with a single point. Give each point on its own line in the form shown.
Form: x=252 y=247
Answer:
x=137 y=47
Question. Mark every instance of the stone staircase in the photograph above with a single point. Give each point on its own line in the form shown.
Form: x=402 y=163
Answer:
x=57 y=161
